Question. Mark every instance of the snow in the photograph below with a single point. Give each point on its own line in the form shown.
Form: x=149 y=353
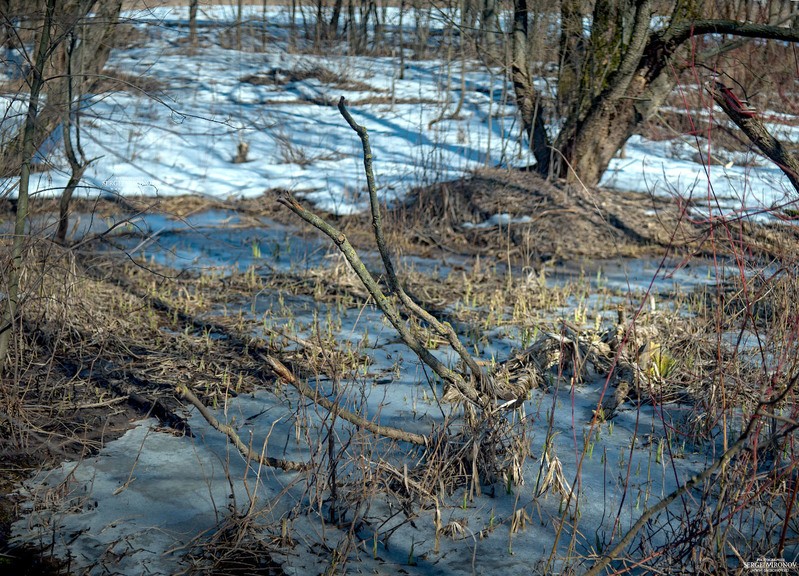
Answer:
x=182 y=139
x=501 y=219
x=132 y=508
x=136 y=506
x=663 y=168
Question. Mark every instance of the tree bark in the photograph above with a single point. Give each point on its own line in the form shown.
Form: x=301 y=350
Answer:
x=571 y=53
x=751 y=125
x=527 y=98
x=640 y=77
x=193 y=5
x=608 y=109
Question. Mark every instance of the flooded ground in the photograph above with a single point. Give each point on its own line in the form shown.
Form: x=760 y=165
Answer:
x=151 y=501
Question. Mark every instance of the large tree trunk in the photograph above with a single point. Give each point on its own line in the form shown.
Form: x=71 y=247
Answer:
x=615 y=78
x=615 y=93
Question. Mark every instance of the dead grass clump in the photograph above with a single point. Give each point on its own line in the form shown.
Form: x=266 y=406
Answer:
x=284 y=76
x=237 y=548
x=128 y=36
x=293 y=153
x=546 y=222
x=119 y=81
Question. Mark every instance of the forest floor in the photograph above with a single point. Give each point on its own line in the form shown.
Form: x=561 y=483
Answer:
x=124 y=317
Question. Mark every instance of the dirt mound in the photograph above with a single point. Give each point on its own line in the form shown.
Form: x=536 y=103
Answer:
x=500 y=210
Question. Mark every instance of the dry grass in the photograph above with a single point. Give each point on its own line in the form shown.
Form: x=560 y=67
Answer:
x=281 y=77
x=96 y=322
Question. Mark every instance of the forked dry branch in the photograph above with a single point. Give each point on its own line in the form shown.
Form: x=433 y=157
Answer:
x=486 y=441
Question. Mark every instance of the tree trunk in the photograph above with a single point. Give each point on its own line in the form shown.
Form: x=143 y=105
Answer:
x=489 y=26
x=77 y=167
x=528 y=100
x=332 y=28
x=421 y=26
x=615 y=93
x=588 y=150
x=626 y=71
x=239 y=8
x=571 y=53
x=96 y=38
x=10 y=304
x=193 y=23
x=401 y=42
x=6 y=33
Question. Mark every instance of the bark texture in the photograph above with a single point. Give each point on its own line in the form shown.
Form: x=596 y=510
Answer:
x=748 y=120
x=615 y=77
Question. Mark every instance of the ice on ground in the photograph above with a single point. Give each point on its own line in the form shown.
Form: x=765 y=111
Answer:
x=143 y=501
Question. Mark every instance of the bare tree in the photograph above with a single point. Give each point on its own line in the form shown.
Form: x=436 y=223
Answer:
x=193 y=5
x=93 y=23
x=73 y=41
x=618 y=74
x=10 y=303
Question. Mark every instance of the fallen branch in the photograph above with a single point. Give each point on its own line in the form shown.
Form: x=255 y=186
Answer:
x=383 y=302
x=313 y=395
x=443 y=329
x=227 y=430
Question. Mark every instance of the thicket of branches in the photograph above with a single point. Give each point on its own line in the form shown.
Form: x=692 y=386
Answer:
x=611 y=79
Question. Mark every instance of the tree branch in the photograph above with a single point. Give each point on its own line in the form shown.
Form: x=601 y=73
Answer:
x=227 y=430
x=679 y=33
x=383 y=302
x=750 y=124
x=442 y=328
x=632 y=56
